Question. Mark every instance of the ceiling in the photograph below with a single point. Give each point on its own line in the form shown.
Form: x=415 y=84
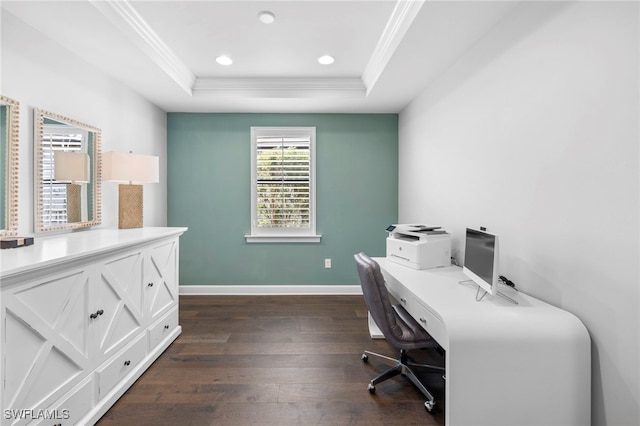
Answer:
x=386 y=51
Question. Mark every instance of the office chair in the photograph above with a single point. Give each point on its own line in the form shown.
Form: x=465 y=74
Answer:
x=397 y=325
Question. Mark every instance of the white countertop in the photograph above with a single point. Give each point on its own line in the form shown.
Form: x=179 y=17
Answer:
x=51 y=250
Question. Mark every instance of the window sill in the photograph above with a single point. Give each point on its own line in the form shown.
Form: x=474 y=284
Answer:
x=282 y=238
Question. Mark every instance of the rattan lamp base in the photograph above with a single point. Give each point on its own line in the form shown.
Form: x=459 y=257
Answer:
x=73 y=203
x=129 y=206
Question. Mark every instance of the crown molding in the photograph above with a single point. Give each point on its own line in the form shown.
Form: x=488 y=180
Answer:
x=127 y=19
x=401 y=19
x=283 y=87
x=124 y=16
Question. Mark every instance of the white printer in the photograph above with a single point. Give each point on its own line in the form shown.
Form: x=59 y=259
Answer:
x=419 y=246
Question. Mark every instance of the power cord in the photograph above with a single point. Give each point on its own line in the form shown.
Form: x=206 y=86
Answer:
x=504 y=280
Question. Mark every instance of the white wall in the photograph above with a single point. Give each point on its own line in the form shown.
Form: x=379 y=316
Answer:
x=39 y=73
x=534 y=133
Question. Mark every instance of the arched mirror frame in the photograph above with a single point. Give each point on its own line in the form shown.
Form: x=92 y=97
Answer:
x=39 y=118
x=11 y=163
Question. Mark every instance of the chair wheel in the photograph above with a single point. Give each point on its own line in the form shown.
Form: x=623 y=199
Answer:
x=365 y=357
x=371 y=388
x=429 y=405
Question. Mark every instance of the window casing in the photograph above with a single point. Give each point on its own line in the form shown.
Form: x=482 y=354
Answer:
x=283 y=185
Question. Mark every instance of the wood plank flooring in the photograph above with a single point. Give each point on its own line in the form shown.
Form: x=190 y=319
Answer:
x=274 y=360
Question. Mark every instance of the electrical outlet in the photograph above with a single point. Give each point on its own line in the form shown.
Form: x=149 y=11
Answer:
x=327 y=263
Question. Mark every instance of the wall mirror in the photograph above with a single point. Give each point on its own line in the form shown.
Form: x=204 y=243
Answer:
x=67 y=178
x=9 y=144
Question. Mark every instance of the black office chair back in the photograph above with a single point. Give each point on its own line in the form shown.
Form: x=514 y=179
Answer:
x=376 y=297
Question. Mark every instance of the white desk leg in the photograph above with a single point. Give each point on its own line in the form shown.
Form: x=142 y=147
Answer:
x=374 y=330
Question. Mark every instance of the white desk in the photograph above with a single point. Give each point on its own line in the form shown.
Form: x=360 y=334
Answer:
x=506 y=364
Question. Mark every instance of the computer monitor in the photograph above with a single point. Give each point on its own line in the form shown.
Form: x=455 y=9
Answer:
x=481 y=259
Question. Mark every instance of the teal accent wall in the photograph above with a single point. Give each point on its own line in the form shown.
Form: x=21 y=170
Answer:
x=91 y=150
x=209 y=190
x=4 y=163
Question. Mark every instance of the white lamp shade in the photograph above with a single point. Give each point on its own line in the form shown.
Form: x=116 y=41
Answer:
x=71 y=166
x=130 y=168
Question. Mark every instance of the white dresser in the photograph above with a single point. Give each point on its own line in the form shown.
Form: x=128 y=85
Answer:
x=83 y=316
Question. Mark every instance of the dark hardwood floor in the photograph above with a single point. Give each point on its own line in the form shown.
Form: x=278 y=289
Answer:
x=274 y=360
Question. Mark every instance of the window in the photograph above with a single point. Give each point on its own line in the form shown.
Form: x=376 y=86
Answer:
x=283 y=184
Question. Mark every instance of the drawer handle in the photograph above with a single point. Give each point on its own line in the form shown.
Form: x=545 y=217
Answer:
x=166 y=327
x=127 y=363
x=97 y=314
x=403 y=300
x=422 y=320
x=150 y=285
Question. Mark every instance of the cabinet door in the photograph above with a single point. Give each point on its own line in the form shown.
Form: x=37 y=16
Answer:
x=45 y=339
x=161 y=288
x=117 y=302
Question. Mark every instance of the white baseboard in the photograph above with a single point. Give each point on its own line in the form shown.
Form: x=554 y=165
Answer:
x=256 y=290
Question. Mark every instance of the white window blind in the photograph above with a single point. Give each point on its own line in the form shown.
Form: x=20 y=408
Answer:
x=283 y=179
x=283 y=182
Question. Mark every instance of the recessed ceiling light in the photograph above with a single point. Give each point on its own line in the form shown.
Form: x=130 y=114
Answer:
x=326 y=59
x=224 y=60
x=266 y=17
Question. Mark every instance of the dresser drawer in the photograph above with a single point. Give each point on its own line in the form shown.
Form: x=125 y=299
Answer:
x=161 y=329
x=70 y=409
x=123 y=363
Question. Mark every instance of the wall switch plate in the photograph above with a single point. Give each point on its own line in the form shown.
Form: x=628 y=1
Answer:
x=327 y=263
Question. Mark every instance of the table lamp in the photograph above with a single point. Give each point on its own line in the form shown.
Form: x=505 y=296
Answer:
x=72 y=168
x=131 y=170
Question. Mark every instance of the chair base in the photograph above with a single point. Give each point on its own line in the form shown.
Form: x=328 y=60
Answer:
x=403 y=366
